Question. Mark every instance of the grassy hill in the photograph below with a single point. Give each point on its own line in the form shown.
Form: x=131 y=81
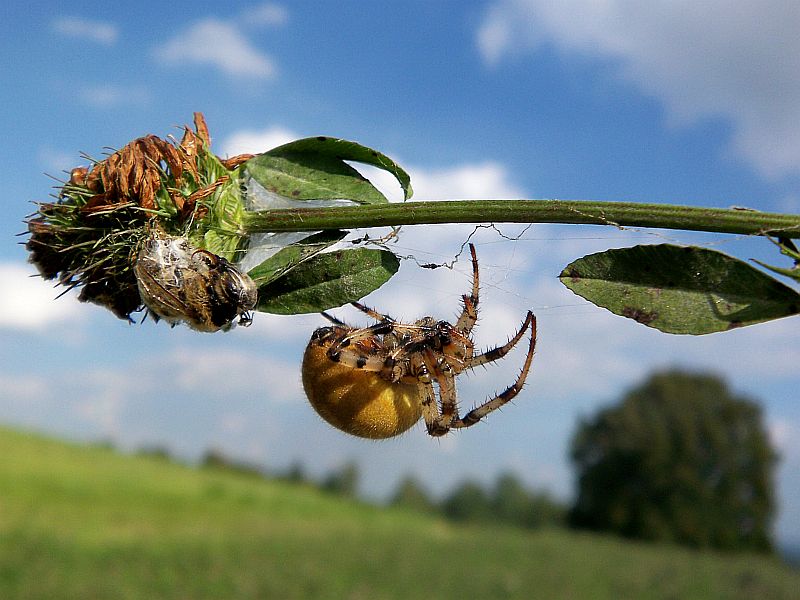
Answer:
x=81 y=522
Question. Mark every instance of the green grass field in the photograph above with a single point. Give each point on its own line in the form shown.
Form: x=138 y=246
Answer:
x=85 y=522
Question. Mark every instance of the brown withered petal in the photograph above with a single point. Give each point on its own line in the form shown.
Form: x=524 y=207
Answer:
x=188 y=205
x=93 y=181
x=188 y=143
x=136 y=175
x=86 y=240
x=187 y=150
x=208 y=190
x=179 y=200
x=98 y=202
x=123 y=166
x=78 y=176
x=173 y=159
x=234 y=161
x=202 y=129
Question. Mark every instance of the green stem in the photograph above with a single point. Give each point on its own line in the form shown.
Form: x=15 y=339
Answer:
x=629 y=214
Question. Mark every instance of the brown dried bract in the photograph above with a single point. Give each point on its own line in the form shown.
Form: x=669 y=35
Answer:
x=135 y=173
x=234 y=161
x=132 y=174
x=91 y=236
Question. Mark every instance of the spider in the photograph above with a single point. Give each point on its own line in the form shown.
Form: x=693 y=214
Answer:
x=377 y=381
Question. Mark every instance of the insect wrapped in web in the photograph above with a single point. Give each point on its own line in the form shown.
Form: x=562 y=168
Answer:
x=377 y=381
x=180 y=283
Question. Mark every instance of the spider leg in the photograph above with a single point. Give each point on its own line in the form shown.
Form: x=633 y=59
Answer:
x=476 y=414
x=373 y=313
x=419 y=374
x=469 y=316
x=499 y=352
x=430 y=410
x=440 y=420
x=333 y=319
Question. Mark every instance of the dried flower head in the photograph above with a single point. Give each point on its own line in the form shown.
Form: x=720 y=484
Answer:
x=91 y=237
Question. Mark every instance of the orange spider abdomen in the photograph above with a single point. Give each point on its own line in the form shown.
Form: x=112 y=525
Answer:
x=356 y=401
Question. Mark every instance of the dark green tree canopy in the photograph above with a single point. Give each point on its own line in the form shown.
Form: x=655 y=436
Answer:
x=681 y=459
x=467 y=502
x=343 y=482
x=412 y=494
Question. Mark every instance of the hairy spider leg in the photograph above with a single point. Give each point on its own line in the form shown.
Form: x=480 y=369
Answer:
x=469 y=316
x=373 y=313
x=333 y=319
x=430 y=410
x=476 y=414
x=500 y=351
x=447 y=411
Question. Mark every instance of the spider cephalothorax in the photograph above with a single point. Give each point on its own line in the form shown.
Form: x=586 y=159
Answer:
x=377 y=381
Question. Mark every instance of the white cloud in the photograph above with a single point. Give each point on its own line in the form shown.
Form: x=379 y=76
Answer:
x=104 y=395
x=702 y=59
x=495 y=36
x=231 y=372
x=485 y=180
x=22 y=389
x=785 y=437
x=470 y=181
x=95 y=31
x=109 y=95
x=220 y=44
x=28 y=303
x=269 y=13
x=251 y=141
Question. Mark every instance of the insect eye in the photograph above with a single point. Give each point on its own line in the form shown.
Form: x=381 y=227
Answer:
x=238 y=288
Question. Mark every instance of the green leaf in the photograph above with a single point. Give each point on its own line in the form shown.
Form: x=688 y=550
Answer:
x=684 y=290
x=287 y=258
x=221 y=228
x=315 y=169
x=793 y=273
x=327 y=281
x=788 y=249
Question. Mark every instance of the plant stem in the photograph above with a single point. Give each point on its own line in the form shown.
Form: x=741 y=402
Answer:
x=630 y=214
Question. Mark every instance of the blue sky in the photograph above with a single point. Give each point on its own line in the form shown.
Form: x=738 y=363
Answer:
x=679 y=102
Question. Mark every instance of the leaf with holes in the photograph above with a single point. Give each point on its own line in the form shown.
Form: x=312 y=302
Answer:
x=315 y=169
x=327 y=281
x=683 y=290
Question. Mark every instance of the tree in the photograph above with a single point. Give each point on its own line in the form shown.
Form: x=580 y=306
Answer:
x=296 y=473
x=511 y=502
x=411 y=494
x=514 y=504
x=467 y=502
x=681 y=459
x=343 y=482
